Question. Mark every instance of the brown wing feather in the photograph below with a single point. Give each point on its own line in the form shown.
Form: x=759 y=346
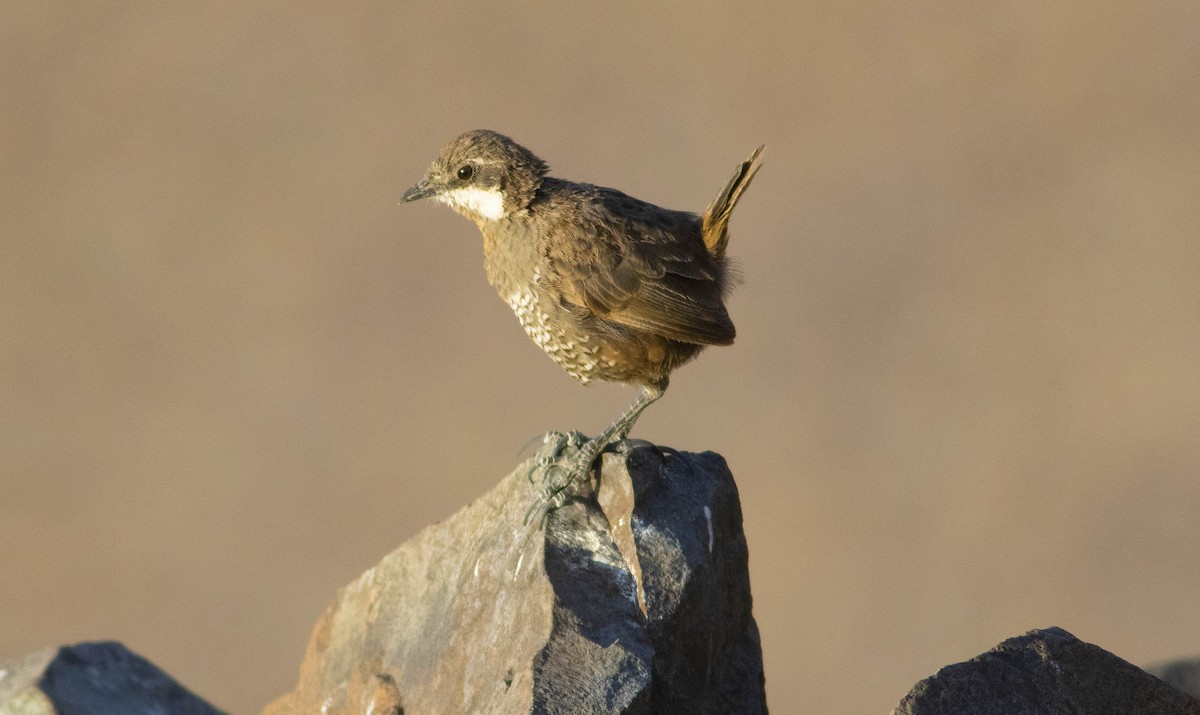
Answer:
x=638 y=265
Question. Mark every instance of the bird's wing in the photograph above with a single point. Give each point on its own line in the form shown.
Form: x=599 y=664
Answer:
x=641 y=266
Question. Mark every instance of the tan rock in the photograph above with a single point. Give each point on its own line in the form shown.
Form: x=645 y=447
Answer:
x=642 y=605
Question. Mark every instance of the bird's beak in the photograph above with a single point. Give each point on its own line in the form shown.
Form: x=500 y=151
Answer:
x=422 y=190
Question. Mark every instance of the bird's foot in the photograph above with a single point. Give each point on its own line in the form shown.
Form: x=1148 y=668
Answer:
x=555 y=446
x=562 y=465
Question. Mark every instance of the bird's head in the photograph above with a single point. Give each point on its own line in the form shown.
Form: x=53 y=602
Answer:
x=482 y=175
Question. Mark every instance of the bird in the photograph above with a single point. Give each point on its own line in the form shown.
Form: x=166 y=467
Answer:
x=611 y=287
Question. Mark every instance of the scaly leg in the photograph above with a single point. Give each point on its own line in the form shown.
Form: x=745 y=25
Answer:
x=562 y=474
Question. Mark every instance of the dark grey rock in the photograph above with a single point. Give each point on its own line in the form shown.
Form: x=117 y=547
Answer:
x=1047 y=672
x=688 y=529
x=93 y=679
x=1182 y=674
x=631 y=598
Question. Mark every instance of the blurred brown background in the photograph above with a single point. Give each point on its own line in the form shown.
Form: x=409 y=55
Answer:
x=964 y=402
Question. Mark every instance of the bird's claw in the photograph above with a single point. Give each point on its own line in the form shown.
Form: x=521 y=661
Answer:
x=554 y=446
x=560 y=441
x=559 y=477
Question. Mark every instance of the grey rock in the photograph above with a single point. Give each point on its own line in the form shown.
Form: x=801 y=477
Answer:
x=1047 y=672
x=631 y=598
x=93 y=679
x=19 y=691
x=1182 y=674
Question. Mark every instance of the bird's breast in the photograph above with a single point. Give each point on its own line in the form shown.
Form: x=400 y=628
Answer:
x=510 y=254
x=554 y=330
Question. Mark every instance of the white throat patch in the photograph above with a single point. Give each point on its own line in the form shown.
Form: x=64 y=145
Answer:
x=488 y=203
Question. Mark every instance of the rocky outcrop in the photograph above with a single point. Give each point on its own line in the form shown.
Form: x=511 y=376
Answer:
x=93 y=679
x=1045 y=671
x=633 y=597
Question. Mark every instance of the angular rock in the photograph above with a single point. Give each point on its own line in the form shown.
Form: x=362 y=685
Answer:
x=632 y=598
x=93 y=679
x=1182 y=674
x=1046 y=672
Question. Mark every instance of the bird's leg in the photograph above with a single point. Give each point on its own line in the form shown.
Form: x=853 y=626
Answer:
x=576 y=467
x=622 y=425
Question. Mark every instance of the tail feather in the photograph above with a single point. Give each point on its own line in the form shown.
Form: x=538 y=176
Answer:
x=715 y=225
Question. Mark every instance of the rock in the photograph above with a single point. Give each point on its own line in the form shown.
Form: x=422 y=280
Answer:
x=1044 y=671
x=1182 y=674
x=610 y=605
x=93 y=679
x=19 y=691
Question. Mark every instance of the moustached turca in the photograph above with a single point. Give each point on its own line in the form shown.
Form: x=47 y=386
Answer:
x=609 y=286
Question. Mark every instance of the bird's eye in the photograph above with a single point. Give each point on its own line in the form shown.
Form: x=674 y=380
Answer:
x=465 y=172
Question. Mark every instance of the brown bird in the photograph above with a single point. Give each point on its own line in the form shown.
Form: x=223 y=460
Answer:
x=609 y=286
